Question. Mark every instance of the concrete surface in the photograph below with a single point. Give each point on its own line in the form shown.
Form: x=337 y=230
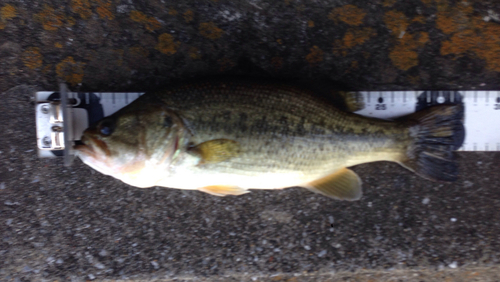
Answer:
x=123 y=45
x=66 y=224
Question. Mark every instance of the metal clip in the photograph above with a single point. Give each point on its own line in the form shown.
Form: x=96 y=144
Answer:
x=56 y=114
x=50 y=131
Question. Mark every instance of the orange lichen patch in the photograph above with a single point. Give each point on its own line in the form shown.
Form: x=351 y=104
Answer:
x=225 y=64
x=396 y=21
x=277 y=62
x=310 y=24
x=104 y=9
x=70 y=71
x=279 y=41
x=58 y=45
x=418 y=19
x=150 y=23
x=441 y=5
x=32 y=58
x=172 y=12
x=470 y=34
x=484 y=42
x=47 y=69
x=352 y=37
x=188 y=16
x=349 y=14
x=139 y=51
x=166 y=44
x=354 y=64
x=389 y=3
x=210 y=30
x=355 y=37
x=82 y=8
x=422 y=38
x=456 y=19
x=315 y=56
x=414 y=79
x=445 y=23
x=194 y=53
x=70 y=21
x=138 y=16
x=7 y=12
x=50 y=19
x=119 y=55
x=404 y=55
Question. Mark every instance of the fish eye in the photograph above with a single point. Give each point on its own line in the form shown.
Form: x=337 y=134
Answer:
x=106 y=127
x=167 y=121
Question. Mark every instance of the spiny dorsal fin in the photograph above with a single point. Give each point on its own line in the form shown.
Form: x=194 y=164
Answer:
x=343 y=184
x=223 y=190
x=217 y=150
x=352 y=101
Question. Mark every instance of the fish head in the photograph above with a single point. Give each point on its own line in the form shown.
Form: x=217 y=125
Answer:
x=136 y=144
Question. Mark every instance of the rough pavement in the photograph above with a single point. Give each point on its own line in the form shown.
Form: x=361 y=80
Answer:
x=122 y=45
x=60 y=223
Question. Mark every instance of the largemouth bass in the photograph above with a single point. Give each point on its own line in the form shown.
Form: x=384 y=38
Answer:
x=225 y=137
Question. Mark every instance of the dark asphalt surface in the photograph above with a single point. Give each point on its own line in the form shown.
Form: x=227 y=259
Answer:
x=74 y=224
x=63 y=223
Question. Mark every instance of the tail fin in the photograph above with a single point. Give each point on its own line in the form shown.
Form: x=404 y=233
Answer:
x=437 y=132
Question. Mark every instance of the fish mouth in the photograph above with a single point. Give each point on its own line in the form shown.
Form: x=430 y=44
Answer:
x=91 y=147
x=84 y=148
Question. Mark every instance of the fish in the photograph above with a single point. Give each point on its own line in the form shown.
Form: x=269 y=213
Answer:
x=227 y=136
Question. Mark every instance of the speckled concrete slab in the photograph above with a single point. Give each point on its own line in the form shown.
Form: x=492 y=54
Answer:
x=117 y=45
x=467 y=274
x=59 y=222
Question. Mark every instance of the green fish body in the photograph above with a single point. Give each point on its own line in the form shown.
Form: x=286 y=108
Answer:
x=224 y=137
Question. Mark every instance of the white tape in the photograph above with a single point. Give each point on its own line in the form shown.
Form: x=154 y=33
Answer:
x=482 y=110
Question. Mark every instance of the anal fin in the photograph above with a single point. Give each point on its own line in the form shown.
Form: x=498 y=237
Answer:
x=223 y=190
x=343 y=184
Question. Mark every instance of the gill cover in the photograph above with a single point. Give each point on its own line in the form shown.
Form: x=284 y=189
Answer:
x=135 y=145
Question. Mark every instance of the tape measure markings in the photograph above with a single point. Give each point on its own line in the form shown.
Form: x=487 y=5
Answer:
x=482 y=109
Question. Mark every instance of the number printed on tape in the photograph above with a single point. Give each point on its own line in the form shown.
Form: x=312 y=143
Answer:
x=481 y=122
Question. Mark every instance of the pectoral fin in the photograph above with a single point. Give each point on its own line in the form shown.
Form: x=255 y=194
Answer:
x=216 y=150
x=344 y=184
x=223 y=190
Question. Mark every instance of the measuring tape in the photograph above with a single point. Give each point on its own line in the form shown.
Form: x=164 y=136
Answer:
x=482 y=112
x=59 y=126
